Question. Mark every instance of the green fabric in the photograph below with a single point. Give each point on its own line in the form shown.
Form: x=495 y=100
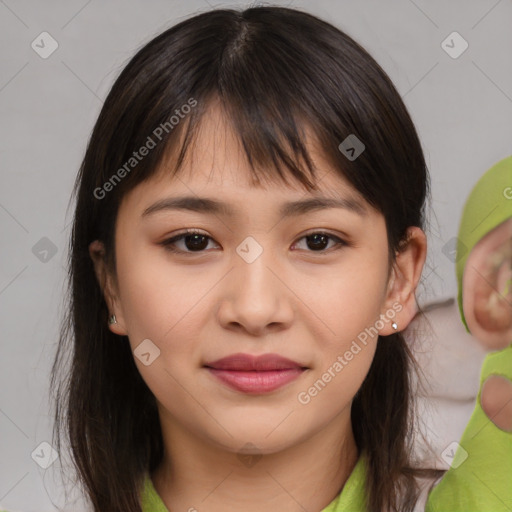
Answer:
x=351 y=498
x=487 y=207
x=150 y=500
x=483 y=482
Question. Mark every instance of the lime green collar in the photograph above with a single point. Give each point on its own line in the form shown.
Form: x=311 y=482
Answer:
x=353 y=495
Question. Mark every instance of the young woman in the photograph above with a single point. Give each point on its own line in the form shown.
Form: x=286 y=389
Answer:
x=246 y=247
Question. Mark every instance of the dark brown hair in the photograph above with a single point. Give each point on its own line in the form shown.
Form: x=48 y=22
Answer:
x=274 y=70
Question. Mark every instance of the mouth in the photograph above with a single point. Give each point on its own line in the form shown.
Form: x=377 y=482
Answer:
x=255 y=374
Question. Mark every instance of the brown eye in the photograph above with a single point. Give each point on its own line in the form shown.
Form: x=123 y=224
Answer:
x=193 y=241
x=318 y=241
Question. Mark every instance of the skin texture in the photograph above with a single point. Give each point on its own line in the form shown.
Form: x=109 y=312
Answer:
x=487 y=300
x=295 y=300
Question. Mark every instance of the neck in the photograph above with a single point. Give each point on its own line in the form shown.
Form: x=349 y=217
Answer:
x=197 y=474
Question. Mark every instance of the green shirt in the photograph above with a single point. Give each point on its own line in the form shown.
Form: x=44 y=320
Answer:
x=351 y=498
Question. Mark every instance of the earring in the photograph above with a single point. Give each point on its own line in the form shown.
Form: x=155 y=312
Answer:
x=112 y=320
x=394 y=325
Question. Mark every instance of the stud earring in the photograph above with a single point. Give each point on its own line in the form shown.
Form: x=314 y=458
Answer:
x=394 y=325
x=112 y=320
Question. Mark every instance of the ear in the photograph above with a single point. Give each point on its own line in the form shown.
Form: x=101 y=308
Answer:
x=404 y=277
x=487 y=288
x=108 y=287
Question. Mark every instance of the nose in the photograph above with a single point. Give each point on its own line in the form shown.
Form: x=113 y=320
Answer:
x=256 y=296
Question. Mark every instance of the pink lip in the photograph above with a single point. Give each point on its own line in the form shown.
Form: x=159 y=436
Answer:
x=255 y=374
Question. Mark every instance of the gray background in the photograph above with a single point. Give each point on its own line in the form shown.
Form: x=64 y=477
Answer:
x=462 y=108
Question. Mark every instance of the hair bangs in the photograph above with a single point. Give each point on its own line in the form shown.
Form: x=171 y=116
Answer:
x=275 y=149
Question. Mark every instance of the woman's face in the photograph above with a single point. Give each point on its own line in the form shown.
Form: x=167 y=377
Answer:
x=252 y=283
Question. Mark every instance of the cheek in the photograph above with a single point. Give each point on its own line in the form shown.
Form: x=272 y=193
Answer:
x=156 y=297
x=347 y=300
x=160 y=304
x=331 y=388
x=345 y=323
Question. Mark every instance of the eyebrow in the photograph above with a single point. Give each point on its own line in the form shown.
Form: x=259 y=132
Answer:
x=289 y=209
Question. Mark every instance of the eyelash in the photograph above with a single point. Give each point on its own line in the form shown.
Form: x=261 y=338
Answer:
x=168 y=244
